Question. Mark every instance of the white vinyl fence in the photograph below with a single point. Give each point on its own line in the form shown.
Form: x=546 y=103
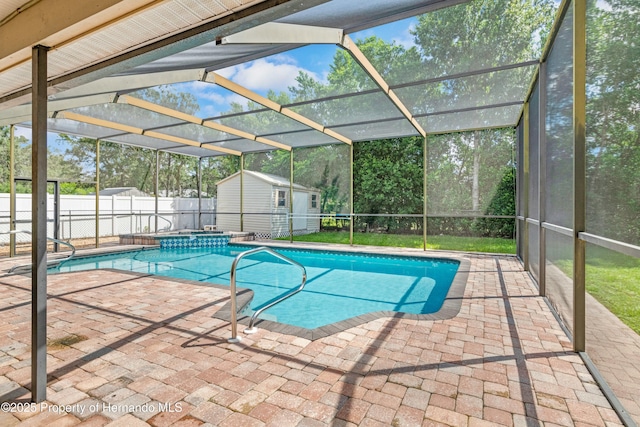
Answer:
x=118 y=215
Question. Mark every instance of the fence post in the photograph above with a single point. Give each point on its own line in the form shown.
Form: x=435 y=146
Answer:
x=113 y=215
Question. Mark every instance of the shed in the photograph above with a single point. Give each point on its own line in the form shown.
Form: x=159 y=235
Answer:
x=266 y=205
x=123 y=191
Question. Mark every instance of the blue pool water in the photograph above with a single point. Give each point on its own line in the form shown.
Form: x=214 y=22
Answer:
x=339 y=286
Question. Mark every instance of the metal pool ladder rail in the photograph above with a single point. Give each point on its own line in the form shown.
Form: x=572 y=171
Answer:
x=49 y=261
x=234 y=309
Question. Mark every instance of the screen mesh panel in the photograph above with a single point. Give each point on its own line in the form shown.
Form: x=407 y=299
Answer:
x=559 y=274
x=352 y=109
x=196 y=98
x=473 y=91
x=476 y=170
x=521 y=185
x=534 y=250
x=304 y=138
x=143 y=141
x=377 y=130
x=347 y=14
x=476 y=119
x=295 y=83
x=240 y=144
x=534 y=160
x=73 y=127
x=127 y=115
x=261 y=123
x=446 y=50
x=326 y=169
x=195 y=151
x=559 y=128
x=613 y=102
x=197 y=133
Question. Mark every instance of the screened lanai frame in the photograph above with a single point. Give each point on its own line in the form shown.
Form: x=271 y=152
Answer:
x=80 y=111
x=533 y=224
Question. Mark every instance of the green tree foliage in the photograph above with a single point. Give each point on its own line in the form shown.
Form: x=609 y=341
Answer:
x=389 y=181
x=22 y=162
x=502 y=203
x=613 y=119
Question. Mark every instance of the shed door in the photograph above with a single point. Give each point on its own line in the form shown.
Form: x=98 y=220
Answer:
x=300 y=201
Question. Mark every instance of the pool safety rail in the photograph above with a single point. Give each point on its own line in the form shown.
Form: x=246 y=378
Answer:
x=49 y=261
x=234 y=306
x=155 y=215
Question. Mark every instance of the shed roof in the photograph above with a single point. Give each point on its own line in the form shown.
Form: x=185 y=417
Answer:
x=269 y=179
x=123 y=191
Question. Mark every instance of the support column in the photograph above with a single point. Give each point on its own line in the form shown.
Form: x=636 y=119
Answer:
x=97 y=193
x=579 y=170
x=199 y=193
x=525 y=188
x=156 y=188
x=424 y=194
x=351 y=218
x=291 y=196
x=39 y=225
x=242 y=192
x=12 y=191
x=542 y=178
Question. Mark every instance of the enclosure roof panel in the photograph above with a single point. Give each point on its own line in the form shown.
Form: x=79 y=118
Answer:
x=304 y=73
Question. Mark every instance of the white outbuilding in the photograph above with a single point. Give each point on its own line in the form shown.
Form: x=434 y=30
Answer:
x=266 y=208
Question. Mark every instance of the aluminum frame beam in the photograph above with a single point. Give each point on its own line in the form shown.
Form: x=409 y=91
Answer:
x=366 y=65
x=139 y=131
x=246 y=93
x=150 y=106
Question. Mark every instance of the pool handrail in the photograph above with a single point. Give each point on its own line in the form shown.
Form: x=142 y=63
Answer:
x=49 y=261
x=234 y=310
x=152 y=215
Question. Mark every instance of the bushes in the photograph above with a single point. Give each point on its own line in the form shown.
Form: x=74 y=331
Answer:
x=502 y=203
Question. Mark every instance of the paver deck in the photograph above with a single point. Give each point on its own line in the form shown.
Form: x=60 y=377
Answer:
x=151 y=352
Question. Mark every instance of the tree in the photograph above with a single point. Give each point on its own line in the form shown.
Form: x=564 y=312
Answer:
x=389 y=181
x=613 y=119
x=22 y=158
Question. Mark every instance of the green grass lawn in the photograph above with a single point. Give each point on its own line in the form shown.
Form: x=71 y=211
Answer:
x=614 y=280
x=467 y=244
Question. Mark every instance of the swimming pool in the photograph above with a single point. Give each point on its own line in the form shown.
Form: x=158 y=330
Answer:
x=341 y=286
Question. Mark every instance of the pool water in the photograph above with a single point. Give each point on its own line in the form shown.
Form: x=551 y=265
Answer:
x=340 y=285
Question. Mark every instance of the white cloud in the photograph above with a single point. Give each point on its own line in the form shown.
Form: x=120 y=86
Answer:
x=276 y=73
x=20 y=131
x=405 y=39
x=237 y=99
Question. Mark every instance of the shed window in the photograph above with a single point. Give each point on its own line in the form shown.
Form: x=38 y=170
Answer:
x=314 y=201
x=281 y=200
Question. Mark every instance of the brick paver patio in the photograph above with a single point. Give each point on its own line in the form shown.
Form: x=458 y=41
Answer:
x=150 y=352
